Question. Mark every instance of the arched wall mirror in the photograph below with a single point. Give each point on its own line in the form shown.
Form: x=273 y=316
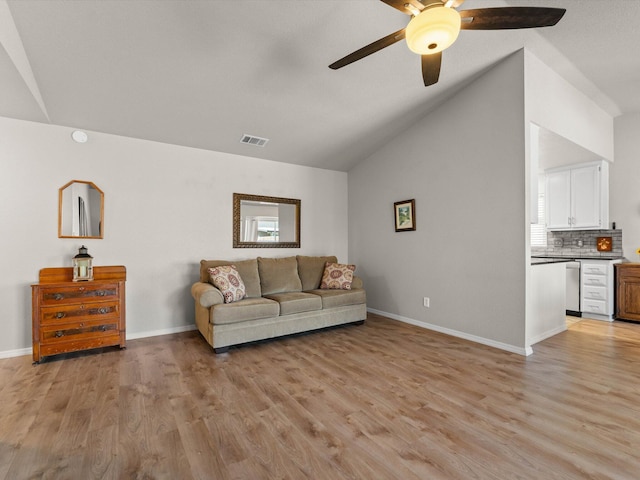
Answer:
x=80 y=210
x=265 y=222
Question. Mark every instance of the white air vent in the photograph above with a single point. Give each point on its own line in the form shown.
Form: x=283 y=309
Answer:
x=253 y=140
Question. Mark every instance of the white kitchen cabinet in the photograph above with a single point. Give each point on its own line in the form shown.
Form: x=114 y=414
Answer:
x=577 y=197
x=558 y=199
x=597 y=289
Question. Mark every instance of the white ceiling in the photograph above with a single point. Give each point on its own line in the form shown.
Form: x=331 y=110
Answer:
x=203 y=73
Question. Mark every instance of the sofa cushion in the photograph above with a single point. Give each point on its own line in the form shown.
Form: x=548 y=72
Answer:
x=244 y=310
x=296 y=302
x=227 y=279
x=340 y=298
x=278 y=275
x=310 y=270
x=337 y=276
x=248 y=270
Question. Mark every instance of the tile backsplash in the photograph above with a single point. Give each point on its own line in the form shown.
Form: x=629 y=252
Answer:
x=567 y=244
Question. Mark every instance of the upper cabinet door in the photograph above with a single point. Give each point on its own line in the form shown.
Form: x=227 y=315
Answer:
x=558 y=200
x=585 y=197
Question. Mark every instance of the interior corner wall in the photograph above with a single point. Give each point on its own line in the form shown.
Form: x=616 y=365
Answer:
x=166 y=208
x=624 y=178
x=464 y=164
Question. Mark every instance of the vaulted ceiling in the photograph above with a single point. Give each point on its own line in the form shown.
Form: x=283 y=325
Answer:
x=202 y=73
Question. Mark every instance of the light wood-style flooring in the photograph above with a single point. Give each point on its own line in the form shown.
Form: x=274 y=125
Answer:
x=383 y=400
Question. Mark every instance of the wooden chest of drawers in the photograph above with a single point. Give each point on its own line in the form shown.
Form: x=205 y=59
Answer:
x=69 y=316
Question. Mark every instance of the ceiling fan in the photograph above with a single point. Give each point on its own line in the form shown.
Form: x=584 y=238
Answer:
x=436 y=24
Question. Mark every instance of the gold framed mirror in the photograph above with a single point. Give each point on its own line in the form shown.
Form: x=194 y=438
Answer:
x=80 y=210
x=265 y=222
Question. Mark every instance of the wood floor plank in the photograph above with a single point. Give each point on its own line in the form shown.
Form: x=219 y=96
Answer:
x=200 y=449
x=384 y=400
x=100 y=459
x=167 y=459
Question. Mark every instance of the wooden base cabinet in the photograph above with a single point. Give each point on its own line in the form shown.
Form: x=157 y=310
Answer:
x=70 y=316
x=628 y=291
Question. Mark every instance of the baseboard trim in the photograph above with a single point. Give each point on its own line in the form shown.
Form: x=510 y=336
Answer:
x=133 y=336
x=436 y=328
x=157 y=333
x=597 y=316
x=547 y=334
x=16 y=353
x=455 y=333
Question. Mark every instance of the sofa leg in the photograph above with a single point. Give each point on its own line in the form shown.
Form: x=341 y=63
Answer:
x=359 y=322
x=221 y=350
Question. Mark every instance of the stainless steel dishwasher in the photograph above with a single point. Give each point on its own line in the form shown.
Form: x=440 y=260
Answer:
x=573 y=289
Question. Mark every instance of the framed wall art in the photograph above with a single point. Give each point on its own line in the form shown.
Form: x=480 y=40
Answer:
x=404 y=213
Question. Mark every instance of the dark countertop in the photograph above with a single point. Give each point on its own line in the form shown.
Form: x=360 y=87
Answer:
x=547 y=260
x=542 y=259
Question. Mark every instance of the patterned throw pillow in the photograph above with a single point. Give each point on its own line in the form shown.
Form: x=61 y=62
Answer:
x=337 y=276
x=227 y=279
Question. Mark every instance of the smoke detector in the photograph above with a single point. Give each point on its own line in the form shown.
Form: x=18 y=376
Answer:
x=79 y=136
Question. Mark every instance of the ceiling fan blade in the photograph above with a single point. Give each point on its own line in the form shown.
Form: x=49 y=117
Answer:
x=368 y=50
x=431 y=68
x=454 y=3
x=410 y=7
x=505 y=18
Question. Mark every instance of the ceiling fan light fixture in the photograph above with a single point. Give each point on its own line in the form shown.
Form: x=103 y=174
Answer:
x=433 y=30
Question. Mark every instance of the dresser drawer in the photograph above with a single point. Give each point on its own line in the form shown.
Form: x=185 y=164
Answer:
x=75 y=344
x=77 y=331
x=69 y=313
x=595 y=293
x=594 y=281
x=594 y=269
x=77 y=293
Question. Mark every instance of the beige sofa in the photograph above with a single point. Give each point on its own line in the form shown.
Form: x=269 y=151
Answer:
x=282 y=298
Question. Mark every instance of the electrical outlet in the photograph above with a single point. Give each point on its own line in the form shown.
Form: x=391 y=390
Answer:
x=426 y=302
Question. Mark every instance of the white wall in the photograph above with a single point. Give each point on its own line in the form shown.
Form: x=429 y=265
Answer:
x=166 y=208
x=465 y=166
x=624 y=178
x=555 y=104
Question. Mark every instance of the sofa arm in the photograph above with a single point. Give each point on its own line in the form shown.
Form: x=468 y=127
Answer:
x=357 y=282
x=206 y=294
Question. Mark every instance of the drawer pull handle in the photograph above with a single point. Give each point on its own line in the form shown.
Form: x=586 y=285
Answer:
x=101 y=293
x=103 y=328
x=103 y=310
x=60 y=315
x=58 y=296
x=59 y=334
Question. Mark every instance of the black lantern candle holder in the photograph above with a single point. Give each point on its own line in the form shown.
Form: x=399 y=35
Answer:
x=82 y=266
